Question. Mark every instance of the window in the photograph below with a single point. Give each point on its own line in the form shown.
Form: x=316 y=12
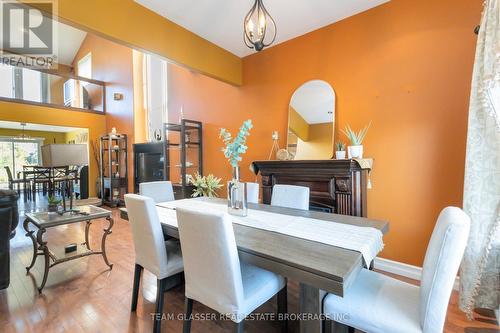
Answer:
x=15 y=153
x=32 y=85
x=84 y=70
x=155 y=94
x=23 y=83
x=6 y=81
x=85 y=66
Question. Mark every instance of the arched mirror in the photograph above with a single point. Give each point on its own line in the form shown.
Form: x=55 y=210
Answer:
x=311 y=117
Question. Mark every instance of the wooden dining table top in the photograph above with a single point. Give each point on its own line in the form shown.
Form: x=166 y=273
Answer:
x=324 y=266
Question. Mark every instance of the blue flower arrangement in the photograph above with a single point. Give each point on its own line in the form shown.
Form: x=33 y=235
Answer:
x=234 y=148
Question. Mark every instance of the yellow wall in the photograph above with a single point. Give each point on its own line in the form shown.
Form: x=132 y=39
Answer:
x=96 y=124
x=127 y=21
x=297 y=124
x=75 y=136
x=49 y=137
x=319 y=145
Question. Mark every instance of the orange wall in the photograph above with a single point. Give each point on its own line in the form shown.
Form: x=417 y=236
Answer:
x=112 y=63
x=406 y=66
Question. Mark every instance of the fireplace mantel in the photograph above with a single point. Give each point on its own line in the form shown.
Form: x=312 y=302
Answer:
x=337 y=186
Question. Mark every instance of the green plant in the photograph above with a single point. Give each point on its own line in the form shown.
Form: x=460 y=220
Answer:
x=53 y=201
x=236 y=147
x=205 y=186
x=340 y=146
x=356 y=139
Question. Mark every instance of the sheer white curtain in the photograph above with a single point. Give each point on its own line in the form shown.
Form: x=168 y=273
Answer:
x=479 y=275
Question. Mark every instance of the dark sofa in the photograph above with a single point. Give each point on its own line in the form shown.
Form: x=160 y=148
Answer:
x=9 y=218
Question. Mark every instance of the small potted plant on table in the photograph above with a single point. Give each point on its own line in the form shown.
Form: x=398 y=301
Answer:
x=53 y=204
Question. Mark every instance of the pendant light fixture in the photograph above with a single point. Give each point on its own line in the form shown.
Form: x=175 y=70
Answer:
x=259 y=26
x=23 y=136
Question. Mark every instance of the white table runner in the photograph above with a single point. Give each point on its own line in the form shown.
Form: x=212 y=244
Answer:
x=366 y=240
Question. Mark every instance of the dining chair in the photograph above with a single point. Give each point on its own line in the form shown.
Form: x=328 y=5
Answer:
x=376 y=303
x=214 y=274
x=152 y=252
x=41 y=176
x=13 y=181
x=290 y=196
x=161 y=191
x=253 y=192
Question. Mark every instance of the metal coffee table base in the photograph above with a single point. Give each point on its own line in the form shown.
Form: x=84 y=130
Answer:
x=40 y=248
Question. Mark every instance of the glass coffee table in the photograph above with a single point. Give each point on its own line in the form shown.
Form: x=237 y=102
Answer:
x=45 y=220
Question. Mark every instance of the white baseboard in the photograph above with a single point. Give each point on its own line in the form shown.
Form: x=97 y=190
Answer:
x=402 y=269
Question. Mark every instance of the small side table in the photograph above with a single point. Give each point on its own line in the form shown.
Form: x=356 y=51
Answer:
x=44 y=220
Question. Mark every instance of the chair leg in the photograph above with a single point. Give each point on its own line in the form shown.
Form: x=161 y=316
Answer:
x=283 y=308
x=159 y=306
x=186 y=328
x=137 y=282
x=238 y=327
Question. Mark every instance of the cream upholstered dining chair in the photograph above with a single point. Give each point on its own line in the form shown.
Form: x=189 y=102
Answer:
x=161 y=191
x=152 y=252
x=214 y=274
x=376 y=303
x=253 y=192
x=290 y=196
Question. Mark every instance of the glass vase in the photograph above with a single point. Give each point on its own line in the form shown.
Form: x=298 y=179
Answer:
x=236 y=195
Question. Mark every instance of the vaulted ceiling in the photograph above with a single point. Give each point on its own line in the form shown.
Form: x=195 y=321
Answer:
x=221 y=21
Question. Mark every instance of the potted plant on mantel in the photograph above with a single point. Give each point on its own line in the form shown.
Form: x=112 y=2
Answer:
x=53 y=204
x=355 y=150
x=340 y=150
x=205 y=186
x=236 y=190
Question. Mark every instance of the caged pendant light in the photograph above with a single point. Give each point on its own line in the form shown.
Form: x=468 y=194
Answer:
x=260 y=28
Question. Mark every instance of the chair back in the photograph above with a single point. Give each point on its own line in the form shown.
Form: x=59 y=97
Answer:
x=9 y=173
x=211 y=263
x=442 y=260
x=150 y=251
x=290 y=196
x=253 y=192
x=161 y=191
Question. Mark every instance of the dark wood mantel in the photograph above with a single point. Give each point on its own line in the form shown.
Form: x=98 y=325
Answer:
x=338 y=186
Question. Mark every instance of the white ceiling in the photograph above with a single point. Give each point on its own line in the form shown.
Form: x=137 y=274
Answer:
x=68 y=42
x=36 y=127
x=221 y=21
x=313 y=101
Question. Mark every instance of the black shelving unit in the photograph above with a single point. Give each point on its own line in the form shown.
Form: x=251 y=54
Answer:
x=114 y=169
x=184 y=149
x=150 y=160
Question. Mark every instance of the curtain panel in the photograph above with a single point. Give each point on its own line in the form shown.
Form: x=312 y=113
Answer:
x=479 y=274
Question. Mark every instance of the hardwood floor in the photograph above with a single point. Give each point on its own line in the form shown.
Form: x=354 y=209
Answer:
x=84 y=296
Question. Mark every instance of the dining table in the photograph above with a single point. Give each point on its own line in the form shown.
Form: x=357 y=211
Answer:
x=318 y=266
x=47 y=176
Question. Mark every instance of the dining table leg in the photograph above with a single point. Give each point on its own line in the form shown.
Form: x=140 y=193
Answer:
x=311 y=307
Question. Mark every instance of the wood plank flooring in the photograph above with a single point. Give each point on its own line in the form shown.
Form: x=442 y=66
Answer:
x=84 y=296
